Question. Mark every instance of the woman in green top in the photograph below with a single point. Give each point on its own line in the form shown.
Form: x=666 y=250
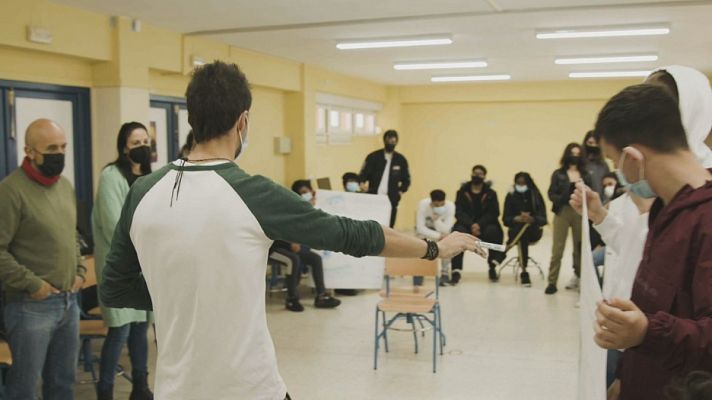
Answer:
x=125 y=325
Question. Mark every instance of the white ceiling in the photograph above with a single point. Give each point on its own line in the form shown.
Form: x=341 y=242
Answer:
x=502 y=31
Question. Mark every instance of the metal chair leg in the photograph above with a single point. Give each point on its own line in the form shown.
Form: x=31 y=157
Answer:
x=385 y=331
x=415 y=334
x=375 y=346
x=438 y=320
x=435 y=341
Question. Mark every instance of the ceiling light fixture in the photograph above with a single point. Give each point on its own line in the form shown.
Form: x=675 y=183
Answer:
x=610 y=74
x=420 y=65
x=605 y=59
x=434 y=40
x=471 y=78
x=611 y=31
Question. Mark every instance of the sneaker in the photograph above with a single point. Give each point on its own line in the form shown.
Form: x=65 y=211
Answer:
x=346 y=292
x=294 y=305
x=493 y=277
x=455 y=278
x=444 y=281
x=551 y=289
x=524 y=276
x=574 y=283
x=326 y=301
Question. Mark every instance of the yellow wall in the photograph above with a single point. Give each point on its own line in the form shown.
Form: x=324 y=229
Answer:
x=509 y=127
x=266 y=122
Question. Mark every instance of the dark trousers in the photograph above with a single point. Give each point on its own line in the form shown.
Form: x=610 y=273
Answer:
x=488 y=233
x=531 y=236
x=134 y=334
x=304 y=257
x=394 y=212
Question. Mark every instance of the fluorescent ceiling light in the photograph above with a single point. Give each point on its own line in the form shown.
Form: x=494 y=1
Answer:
x=471 y=78
x=395 y=42
x=605 y=59
x=603 y=32
x=439 y=65
x=610 y=74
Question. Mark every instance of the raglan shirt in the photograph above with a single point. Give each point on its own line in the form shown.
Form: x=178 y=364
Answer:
x=200 y=265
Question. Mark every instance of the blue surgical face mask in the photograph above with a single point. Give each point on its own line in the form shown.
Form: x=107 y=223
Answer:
x=641 y=188
x=352 y=187
x=521 y=188
x=439 y=210
x=307 y=196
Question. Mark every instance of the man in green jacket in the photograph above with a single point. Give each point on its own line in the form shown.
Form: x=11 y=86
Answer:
x=40 y=268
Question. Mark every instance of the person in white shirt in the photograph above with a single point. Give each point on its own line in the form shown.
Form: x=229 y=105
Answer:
x=434 y=220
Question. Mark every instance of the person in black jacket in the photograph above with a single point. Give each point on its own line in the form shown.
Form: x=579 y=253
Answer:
x=563 y=180
x=386 y=172
x=524 y=205
x=477 y=212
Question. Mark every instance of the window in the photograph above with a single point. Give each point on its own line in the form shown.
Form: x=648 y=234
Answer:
x=338 y=119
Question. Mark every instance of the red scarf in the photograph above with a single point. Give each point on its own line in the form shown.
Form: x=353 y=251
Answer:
x=36 y=175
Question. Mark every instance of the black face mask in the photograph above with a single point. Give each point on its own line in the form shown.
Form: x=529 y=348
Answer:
x=140 y=155
x=390 y=147
x=572 y=160
x=593 y=150
x=477 y=180
x=53 y=165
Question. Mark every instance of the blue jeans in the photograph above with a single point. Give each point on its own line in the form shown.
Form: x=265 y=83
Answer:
x=136 y=335
x=44 y=341
x=599 y=256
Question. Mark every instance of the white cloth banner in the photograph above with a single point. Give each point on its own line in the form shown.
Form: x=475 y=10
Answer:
x=346 y=272
x=592 y=359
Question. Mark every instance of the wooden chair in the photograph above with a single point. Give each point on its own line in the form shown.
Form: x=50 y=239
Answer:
x=91 y=325
x=5 y=362
x=410 y=307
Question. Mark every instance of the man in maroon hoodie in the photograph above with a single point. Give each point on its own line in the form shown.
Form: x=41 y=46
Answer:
x=666 y=327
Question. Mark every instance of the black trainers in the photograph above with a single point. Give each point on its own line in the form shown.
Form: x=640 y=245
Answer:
x=493 y=274
x=293 y=304
x=326 y=301
x=524 y=276
x=551 y=289
x=455 y=279
x=444 y=280
x=140 y=390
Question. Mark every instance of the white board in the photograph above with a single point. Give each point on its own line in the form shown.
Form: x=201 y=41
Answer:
x=28 y=110
x=346 y=272
x=592 y=359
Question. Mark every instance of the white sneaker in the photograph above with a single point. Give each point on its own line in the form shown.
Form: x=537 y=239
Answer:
x=574 y=283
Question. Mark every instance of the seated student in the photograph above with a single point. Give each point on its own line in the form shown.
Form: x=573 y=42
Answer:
x=477 y=213
x=524 y=205
x=434 y=220
x=302 y=255
x=666 y=326
x=352 y=182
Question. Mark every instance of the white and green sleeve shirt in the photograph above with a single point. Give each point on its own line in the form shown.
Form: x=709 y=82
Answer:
x=200 y=265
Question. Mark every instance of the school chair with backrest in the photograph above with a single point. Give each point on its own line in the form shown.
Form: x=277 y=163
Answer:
x=410 y=308
x=517 y=261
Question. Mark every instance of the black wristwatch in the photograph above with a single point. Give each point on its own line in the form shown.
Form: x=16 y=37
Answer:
x=433 y=250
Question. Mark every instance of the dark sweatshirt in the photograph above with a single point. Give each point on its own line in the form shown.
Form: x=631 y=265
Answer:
x=471 y=208
x=674 y=290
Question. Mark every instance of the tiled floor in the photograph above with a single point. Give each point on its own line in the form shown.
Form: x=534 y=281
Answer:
x=504 y=342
